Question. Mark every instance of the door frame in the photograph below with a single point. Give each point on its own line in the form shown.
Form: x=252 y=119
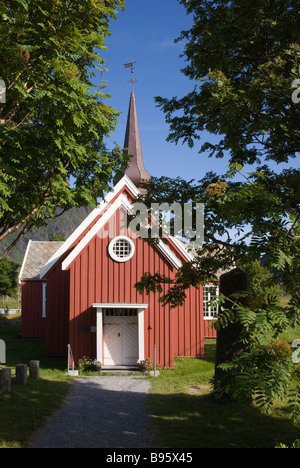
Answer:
x=99 y=326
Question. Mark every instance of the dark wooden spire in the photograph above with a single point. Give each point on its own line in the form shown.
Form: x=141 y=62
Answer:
x=132 y=144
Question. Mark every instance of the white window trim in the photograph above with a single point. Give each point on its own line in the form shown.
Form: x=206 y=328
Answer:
x=211 y=314
x=112 y=253
x=44 y=300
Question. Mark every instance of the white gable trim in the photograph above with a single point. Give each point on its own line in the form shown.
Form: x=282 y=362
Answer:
x=182 y=248
x=125 y=181
x=169 y=254
x=24 y=261
x=120 y=201
x=67 y=244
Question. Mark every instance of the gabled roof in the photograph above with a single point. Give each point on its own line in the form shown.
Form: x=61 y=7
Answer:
x=41 y=256
x=36 y=255
x=95 y=227
x=123 y=201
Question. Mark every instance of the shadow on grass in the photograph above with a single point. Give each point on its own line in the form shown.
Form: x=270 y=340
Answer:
x=198 y=421
x=26 y=408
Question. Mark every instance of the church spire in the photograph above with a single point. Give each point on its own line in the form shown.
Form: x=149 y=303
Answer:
x=136 y=170
x=132 y=144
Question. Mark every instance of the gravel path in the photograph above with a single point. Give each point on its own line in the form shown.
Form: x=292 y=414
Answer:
x=100 y=412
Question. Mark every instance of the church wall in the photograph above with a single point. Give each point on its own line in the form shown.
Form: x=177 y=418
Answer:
x=32 y=322
x=96 y=278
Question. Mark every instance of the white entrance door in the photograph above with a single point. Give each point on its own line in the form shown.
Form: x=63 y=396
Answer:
x=109 y=313
x=120 y=338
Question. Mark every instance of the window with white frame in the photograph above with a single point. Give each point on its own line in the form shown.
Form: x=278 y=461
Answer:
x=44 y=300
x=210 y=294
x=121 y=248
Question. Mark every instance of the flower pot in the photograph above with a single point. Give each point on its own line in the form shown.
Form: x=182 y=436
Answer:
x=143 y=368
x=96 y=368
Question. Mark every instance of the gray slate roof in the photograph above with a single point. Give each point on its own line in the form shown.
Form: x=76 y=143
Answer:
x=37 y=255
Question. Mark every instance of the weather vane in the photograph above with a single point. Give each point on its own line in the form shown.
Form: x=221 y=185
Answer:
x=131 y=65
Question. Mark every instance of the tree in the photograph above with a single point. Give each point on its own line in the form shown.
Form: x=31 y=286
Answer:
x=242 y=220
x=8 y=277
x=54 y=122
x=244 y=58
x=262 y=285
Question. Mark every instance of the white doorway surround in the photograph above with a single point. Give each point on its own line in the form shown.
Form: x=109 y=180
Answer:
x=120 y=333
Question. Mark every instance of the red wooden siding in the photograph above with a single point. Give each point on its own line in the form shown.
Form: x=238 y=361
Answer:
x=32 y=323
x=209 y=331
x=96 y=278
x=57 y=311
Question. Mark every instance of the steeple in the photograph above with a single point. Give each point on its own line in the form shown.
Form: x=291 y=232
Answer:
x=132 y=145
x=136 y=170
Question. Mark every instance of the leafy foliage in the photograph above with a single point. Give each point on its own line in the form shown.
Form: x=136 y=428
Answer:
x=243 y=57
x=8 y=277
x=243 y=221
x=55 y=120
x=264 y=372
x=262 y=287
x=260 y=376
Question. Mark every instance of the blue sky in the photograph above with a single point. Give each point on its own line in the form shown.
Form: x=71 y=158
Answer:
x=145 y=34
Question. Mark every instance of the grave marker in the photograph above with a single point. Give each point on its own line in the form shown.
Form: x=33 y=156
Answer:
x=21 y=374
x=5 y=380
x=2 y=352
x=34 y=370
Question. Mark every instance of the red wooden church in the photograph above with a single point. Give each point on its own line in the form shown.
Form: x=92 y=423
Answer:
x=81 y=292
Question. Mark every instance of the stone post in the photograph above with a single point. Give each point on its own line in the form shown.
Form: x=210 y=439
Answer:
x=21 y=374
x=5 y=380
x=34 y=369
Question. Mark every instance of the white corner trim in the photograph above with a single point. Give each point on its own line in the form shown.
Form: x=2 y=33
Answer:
x=24 y=261
x=141 y=334
x=125 y=181
x=99 y=335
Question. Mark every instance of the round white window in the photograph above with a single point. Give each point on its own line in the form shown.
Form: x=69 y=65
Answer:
x=121 y=249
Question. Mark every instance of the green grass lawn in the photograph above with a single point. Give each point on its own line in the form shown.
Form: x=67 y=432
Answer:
x=26 y=408
x=184 y=414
